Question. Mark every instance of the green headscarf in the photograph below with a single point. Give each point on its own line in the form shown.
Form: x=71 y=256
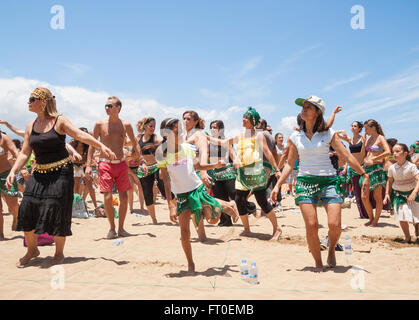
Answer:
x=415 y=147
x=253 y=116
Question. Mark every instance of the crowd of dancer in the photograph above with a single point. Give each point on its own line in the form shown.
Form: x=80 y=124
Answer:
x=201 y=174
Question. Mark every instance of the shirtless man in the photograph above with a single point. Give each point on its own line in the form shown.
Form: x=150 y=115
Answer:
x=10 y=196
x=112 y=133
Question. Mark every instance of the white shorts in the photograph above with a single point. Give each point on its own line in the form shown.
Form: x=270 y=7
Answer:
x=78 y=171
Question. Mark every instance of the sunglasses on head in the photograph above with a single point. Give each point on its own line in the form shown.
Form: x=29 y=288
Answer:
x=32 y=99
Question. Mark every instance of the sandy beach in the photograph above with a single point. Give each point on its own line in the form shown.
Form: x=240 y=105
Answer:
x=151 y=264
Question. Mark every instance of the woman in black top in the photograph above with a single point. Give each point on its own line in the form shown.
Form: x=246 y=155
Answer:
x=47 y=201
x=355 y=147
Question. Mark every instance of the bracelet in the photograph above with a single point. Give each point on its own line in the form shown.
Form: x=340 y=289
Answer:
x=364 y=173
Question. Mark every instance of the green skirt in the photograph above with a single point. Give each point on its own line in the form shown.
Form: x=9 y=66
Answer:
x=195 y=201
x=223 y=174
x=400 y=197
x=309 y=186
x=378 y=177
x=152 y=168
x=255 y=176
x=14 y=191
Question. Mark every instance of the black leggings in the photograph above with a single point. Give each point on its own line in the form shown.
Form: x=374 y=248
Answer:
x=148 y=183
x=241 y=201
x=224 y=190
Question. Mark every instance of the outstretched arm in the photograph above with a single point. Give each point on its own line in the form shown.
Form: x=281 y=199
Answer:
x=16 y=130
x=331 y=119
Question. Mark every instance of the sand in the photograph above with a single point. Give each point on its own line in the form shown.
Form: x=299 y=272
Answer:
x=151 y=264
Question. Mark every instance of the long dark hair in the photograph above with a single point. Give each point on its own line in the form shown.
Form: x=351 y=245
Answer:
x=220 y=126
x=405 y=148
x=319 y=125
x=167 y=123
x=85 y=146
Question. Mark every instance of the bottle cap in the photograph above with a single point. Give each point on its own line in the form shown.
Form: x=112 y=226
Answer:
x=244 y=260
x=347 y=238
x=253 y=263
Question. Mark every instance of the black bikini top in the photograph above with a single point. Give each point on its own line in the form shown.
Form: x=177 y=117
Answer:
x=355 y=148
x=147 y=147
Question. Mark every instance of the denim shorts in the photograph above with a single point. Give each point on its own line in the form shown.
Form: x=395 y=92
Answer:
x=328 y=195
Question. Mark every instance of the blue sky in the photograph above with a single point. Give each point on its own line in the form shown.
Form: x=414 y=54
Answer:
x=218 y=57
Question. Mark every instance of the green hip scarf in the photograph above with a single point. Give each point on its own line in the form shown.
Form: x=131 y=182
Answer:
x=152 y=168
x=255 y=176
x=14 y=191
x=309 y=186
x=400 y=197
x=195 y=201
x=223 y=174
x=378 y=177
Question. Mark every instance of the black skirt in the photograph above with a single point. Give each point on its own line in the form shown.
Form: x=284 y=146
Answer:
x=47 y=203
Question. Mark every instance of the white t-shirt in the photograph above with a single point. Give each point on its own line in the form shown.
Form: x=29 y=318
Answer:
x=183 y=177
x=404 y=176
x=314 y=153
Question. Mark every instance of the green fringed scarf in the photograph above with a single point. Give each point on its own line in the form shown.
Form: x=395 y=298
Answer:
x=14 y=191
x=151 y=169
x=223 y=174
x=255 y=176
x=378 y=177
x=195 y=201
x=308 y=186
x=400 y=197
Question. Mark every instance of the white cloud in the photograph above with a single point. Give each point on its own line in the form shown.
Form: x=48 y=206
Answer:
x=286 y=126
x=400 y=90
x=84 y=107
x=77 y=68
x=342 y=82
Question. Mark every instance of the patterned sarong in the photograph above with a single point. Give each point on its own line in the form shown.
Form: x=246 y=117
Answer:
x=195 y=201
x=255 y=176
x=400 y=197
x=378 y=177
x=14 y=191
x=152 y=168
x=309 y=186
x=223 y=174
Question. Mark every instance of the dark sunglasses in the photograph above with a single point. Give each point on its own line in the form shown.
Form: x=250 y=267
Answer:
x=108 y=105
x=32 y=99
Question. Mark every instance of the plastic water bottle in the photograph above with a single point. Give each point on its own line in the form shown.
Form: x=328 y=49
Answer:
x=117 y=242
x=253 y=274
x=348 y=247
x=244 y=270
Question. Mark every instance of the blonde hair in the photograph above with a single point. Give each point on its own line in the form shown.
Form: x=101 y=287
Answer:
x=143 y=122
x=44 y=95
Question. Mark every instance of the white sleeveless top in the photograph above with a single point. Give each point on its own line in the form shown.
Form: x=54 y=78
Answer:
x=314 y=153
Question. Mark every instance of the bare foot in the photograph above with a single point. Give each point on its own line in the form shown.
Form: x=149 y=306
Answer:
x=368 y=223
x=123 y=233
x=331 y=260
x=27 y=257
x=246 y=233
x=407 y=240
x=58 y=259
x=203 y=239
x=191 y=269
x=111 y=234
x=154 y=221
x=374 y=224
x=2 y=238
x=319 y=268
x=277 y=233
